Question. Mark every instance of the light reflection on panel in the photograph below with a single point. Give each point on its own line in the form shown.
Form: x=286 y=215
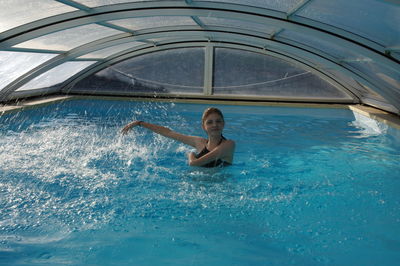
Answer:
x=56 y=75
x=366 y=94
x=173 y=71
x=15 y=64
x=153 y=22
x=172 y=39
x=396 y=54
x=375 y=20
x=380 y=72
x=355 y=86
x=18 y=12
x=279 y=5
x=238 y=72
x=103 y=53
x=244 y=25
x=95 y=3
x=329 y=48
x=68 y=39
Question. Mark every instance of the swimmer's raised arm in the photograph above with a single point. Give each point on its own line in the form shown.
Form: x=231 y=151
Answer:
x=214 y=151
x=166 y=132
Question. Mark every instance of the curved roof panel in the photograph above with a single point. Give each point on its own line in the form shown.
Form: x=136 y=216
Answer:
x=354 y=45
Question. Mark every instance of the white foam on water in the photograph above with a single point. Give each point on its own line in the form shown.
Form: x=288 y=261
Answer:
x=368 y=127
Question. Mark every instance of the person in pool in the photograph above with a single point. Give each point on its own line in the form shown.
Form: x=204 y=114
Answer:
x=212 y=152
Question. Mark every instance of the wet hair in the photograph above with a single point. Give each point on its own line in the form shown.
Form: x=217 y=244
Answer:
x=211 y=110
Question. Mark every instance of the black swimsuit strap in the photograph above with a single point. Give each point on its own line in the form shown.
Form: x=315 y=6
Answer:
x=204 y=151
x=215 y=163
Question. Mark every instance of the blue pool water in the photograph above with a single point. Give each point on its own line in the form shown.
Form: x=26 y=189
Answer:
x=308 y=187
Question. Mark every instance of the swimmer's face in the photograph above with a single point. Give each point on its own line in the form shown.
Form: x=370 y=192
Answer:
x=213 y=124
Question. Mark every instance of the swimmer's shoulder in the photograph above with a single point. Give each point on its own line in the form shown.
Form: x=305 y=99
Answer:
x=229 y=143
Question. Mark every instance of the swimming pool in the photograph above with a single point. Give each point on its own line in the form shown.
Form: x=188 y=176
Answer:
x=308 y=187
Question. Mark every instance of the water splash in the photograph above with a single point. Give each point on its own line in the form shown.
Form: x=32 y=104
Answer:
x=368 y=127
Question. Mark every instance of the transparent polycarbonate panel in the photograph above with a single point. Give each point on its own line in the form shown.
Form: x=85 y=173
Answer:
x=241 y=72
x=375 y=20
x=172 y=71
x=378 y=101
x=243 y=25
x=365 y=94
x=386 y=76
x=396 y=55
x=330 y=48
x=15 y=64
x=172 y=38
x=153 y=22
x=95 y=3
x=68 y=39
x=278 y=5
x=106 y=52
x=14 y=13
x=351 y=84
x=56 y=75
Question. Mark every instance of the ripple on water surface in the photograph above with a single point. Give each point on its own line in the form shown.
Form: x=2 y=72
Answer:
x=74 y=191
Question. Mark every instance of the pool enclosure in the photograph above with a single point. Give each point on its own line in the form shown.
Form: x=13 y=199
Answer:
x=270 y=50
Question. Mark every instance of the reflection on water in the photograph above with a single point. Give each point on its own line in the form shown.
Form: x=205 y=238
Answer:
x=74 y=191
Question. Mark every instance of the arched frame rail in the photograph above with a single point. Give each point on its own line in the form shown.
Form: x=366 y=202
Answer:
x=285 y=52
x=208 y=73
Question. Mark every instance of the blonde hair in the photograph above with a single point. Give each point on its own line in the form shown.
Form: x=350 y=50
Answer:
x=211 y=110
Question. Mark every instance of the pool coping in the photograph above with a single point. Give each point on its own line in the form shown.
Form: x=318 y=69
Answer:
x=374 y=113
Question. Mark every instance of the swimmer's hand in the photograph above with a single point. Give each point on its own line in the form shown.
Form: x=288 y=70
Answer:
x=129 y=126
